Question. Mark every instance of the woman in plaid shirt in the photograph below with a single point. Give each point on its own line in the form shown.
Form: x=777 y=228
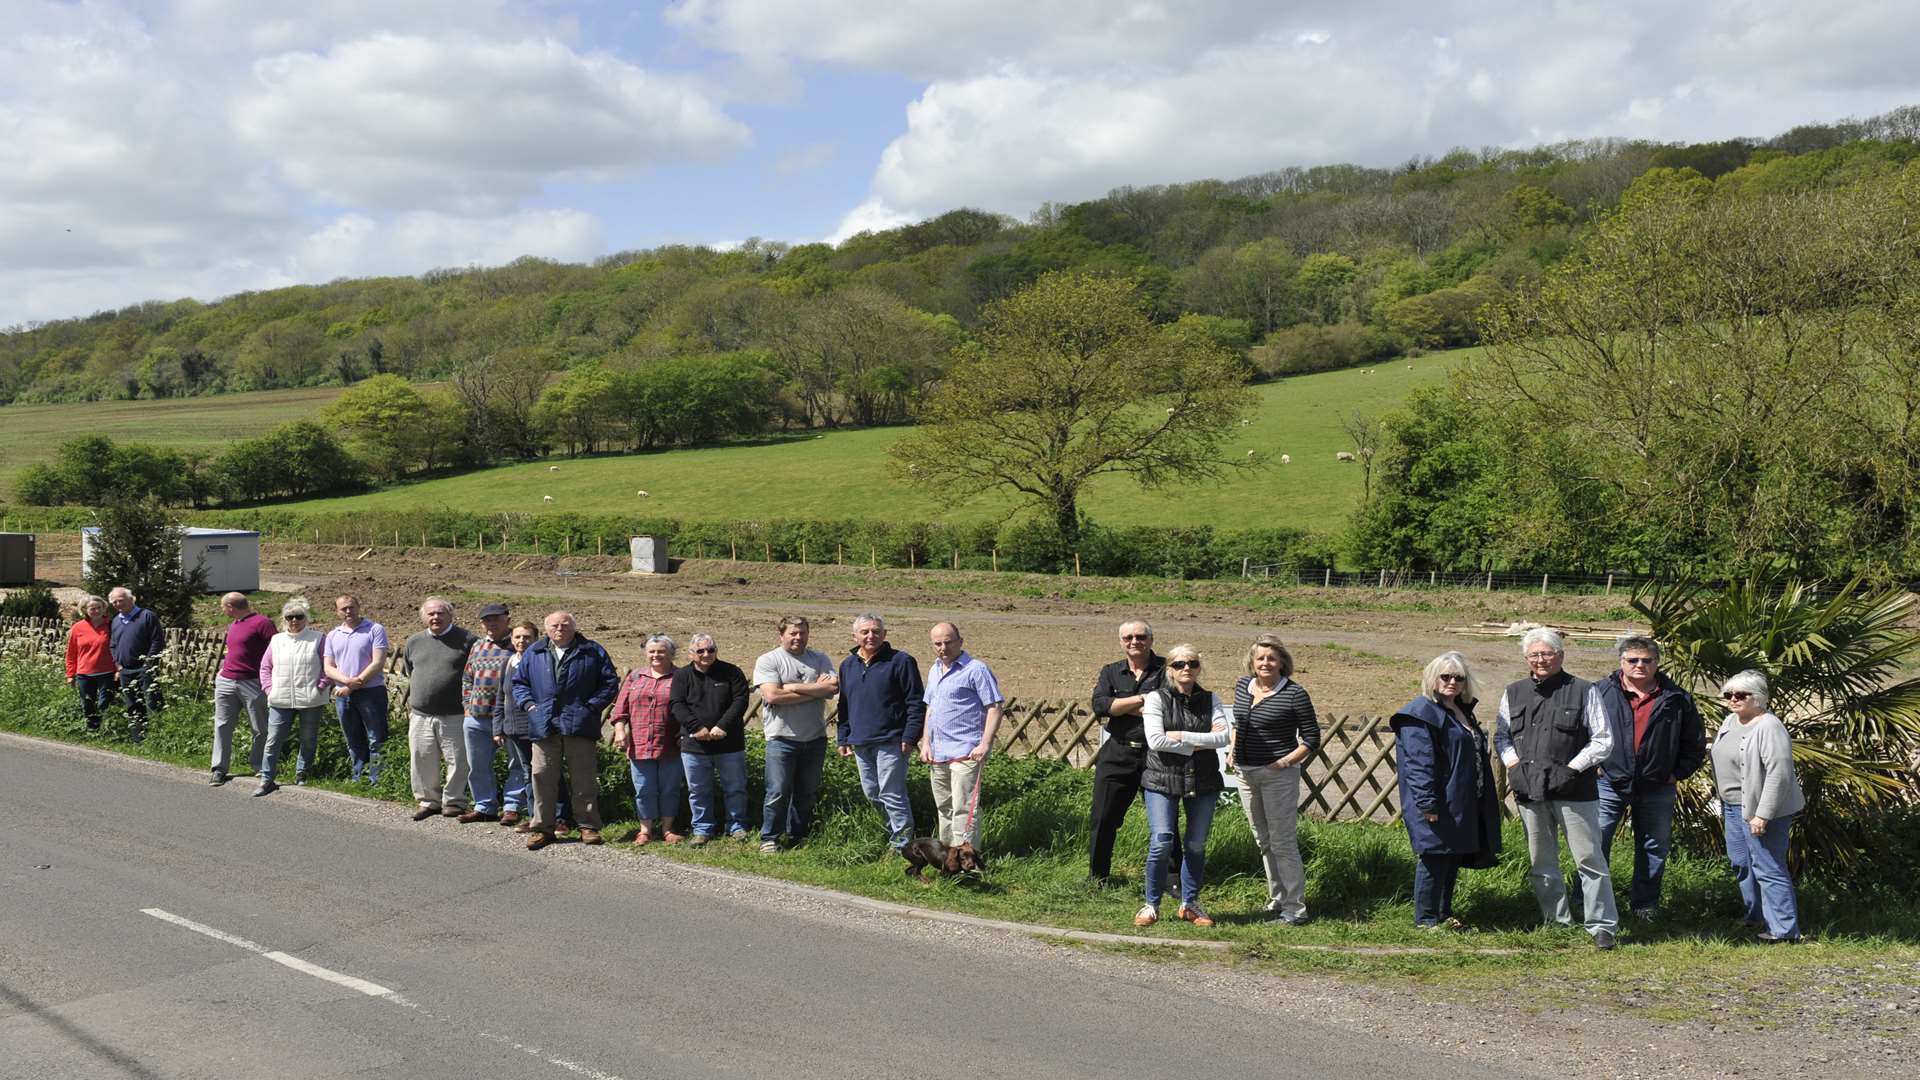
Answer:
x=644 y=726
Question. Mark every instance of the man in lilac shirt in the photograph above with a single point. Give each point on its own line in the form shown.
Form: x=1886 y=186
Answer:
x=355 y=655
x=963 y=715
x=237 y=687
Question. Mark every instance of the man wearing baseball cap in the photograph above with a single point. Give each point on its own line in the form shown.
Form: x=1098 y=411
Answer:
x=481 y=684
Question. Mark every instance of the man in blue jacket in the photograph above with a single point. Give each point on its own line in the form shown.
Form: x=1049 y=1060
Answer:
x=137 y=640
x=564 y=682
x=1658 y=741
x=882 y=712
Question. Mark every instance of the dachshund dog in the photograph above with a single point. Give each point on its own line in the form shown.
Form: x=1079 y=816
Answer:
x=927 y=852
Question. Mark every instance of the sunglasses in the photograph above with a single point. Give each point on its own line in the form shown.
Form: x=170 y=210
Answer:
x=1136 y=637
x=703 y=652
x=1735 y=695
x=296 y=618
x=1183 y=665
x=1451 y=678
x=1636 y=661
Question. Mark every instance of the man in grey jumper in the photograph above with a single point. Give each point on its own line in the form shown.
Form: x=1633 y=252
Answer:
x=433 y=661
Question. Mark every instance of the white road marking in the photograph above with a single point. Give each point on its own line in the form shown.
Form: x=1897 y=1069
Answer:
x=363 y=986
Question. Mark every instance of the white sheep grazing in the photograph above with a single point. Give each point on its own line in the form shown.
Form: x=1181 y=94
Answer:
x=546 y=498
x=642 y=494
x=1286 y=459
x=1343 y=455
x=553 y=468
x=1251 y=453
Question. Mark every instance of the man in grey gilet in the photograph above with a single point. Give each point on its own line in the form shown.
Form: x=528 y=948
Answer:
x=1552 y=736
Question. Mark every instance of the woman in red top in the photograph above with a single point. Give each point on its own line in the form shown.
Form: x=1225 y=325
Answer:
x=90 y=666
x=643 y=725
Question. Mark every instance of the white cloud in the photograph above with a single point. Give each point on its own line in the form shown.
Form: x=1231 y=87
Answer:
x=1317 y=83
x=870 y=216
x=278 y=25
x=355 y=245
x=476 y=125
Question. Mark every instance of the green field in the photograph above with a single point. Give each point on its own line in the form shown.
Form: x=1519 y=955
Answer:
x=840 y=474
x=844 y=474
x=31 y=433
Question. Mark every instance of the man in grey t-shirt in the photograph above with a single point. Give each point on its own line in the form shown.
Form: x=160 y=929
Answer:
x=795 y=683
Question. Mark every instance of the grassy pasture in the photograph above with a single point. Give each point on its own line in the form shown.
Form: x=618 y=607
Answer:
x=844 y=475
x=840 y=474
x=31 y=433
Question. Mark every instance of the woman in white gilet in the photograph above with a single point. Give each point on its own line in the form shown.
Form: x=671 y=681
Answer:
x=295 y=680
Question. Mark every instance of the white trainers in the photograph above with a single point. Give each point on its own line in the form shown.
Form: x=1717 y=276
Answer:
x=1147 y=915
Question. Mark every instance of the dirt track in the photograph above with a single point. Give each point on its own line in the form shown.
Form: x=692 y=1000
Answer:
x=1357 y=650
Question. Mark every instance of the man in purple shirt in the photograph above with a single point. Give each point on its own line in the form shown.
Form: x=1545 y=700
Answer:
x=963 y=715
x=237 y=687
x=355 y=655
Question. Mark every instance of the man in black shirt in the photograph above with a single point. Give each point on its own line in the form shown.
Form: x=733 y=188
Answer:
x=1117 y=697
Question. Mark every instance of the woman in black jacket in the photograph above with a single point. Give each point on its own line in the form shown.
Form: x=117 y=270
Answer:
x=709 y=700
x=1274 y=732
x=1186 y=725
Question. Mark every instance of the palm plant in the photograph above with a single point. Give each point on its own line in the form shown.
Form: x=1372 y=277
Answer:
x=1841 y=670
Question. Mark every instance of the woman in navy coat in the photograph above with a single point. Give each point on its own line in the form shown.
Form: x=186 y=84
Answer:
x=1447 y=796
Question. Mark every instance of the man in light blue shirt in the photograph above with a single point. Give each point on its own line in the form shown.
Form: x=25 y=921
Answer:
x=963 y=715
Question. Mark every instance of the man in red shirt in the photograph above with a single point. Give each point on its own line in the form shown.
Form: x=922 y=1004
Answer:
x=1658 y=741
x=237 y=687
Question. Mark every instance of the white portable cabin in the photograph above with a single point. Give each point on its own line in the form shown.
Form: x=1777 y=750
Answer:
x=231 y=556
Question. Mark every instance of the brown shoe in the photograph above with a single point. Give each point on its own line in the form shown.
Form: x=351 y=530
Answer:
x=425 y=812
x=452 y=811
x=472 y=816
x=590 y=836
x=536 y=841
x=510 y=818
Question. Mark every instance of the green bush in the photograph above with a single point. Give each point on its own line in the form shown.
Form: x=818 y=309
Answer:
x=1309 y=347
x=32 y=602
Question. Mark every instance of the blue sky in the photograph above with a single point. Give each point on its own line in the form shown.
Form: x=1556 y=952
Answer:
x=154 y=149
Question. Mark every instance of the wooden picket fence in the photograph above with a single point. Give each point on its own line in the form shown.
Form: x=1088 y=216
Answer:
x=1351 y=778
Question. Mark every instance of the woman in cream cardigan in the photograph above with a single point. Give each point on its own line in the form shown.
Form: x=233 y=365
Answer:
x=295 y=681
x=1759 y=795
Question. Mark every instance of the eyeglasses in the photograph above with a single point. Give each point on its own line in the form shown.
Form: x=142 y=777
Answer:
x=1136 y=637
x=1636 y=661
x=1451 y=678
x=1541 y=657
x=703 y=652
x=1735 y=695
x=1182 y=665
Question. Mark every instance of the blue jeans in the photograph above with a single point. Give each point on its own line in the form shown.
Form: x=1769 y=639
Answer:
x=363 y=723
x=136 y=685
x=1652 y=808
x=1434 y=877
x=656 y=787
x=883 y=780
x=1760 y=869
x=520 y=780
x=1162 y=818
x=279 y=724
x=95 y=692
x=794 y=771
x=482 y=784
x=712 y=778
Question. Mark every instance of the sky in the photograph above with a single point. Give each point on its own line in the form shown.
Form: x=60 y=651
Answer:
x=157 y=149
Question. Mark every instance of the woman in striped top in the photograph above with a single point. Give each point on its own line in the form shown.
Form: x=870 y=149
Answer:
x=1274 y=731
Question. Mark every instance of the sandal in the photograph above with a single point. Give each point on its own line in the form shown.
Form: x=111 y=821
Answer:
x=643 y=837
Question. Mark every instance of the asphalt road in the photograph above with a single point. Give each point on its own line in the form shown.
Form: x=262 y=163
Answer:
x=153 y=927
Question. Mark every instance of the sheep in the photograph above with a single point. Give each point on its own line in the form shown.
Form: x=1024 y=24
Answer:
x=1286 y=459
x=1343 y=455
x=546 y=498
x=1251 y=453
x=642 y=494
x=553 y=468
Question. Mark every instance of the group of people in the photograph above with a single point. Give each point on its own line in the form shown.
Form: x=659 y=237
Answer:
x=1580 y=757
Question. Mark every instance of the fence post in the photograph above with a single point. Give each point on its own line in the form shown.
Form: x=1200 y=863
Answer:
x=733 y=550
x=767 y=549
x=839 y=554
x=996 y=560
x=316 y=534
x=1383 y=577
x=423 y=538
x=1609 y=591
x=1489 y=581
x=1543 y=584
x=599 y=544
x=1327 y=582
x=803 y=553
x=1433 y=577
x=396 y=538
x=1245 y=563
x=1076 y=564
x=873 y=558
x=480 y=540
x=956 y=558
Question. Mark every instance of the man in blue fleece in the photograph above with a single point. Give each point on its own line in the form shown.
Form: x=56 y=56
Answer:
x=882 y=711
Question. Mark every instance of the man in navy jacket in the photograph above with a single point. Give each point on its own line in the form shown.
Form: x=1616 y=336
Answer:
x=564 y=682
x=882 y=712
x=1658 y=741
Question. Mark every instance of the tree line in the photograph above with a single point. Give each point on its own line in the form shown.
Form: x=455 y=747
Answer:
x=1298 y=269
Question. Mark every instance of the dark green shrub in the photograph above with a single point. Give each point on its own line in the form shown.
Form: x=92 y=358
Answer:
x=32 y=602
